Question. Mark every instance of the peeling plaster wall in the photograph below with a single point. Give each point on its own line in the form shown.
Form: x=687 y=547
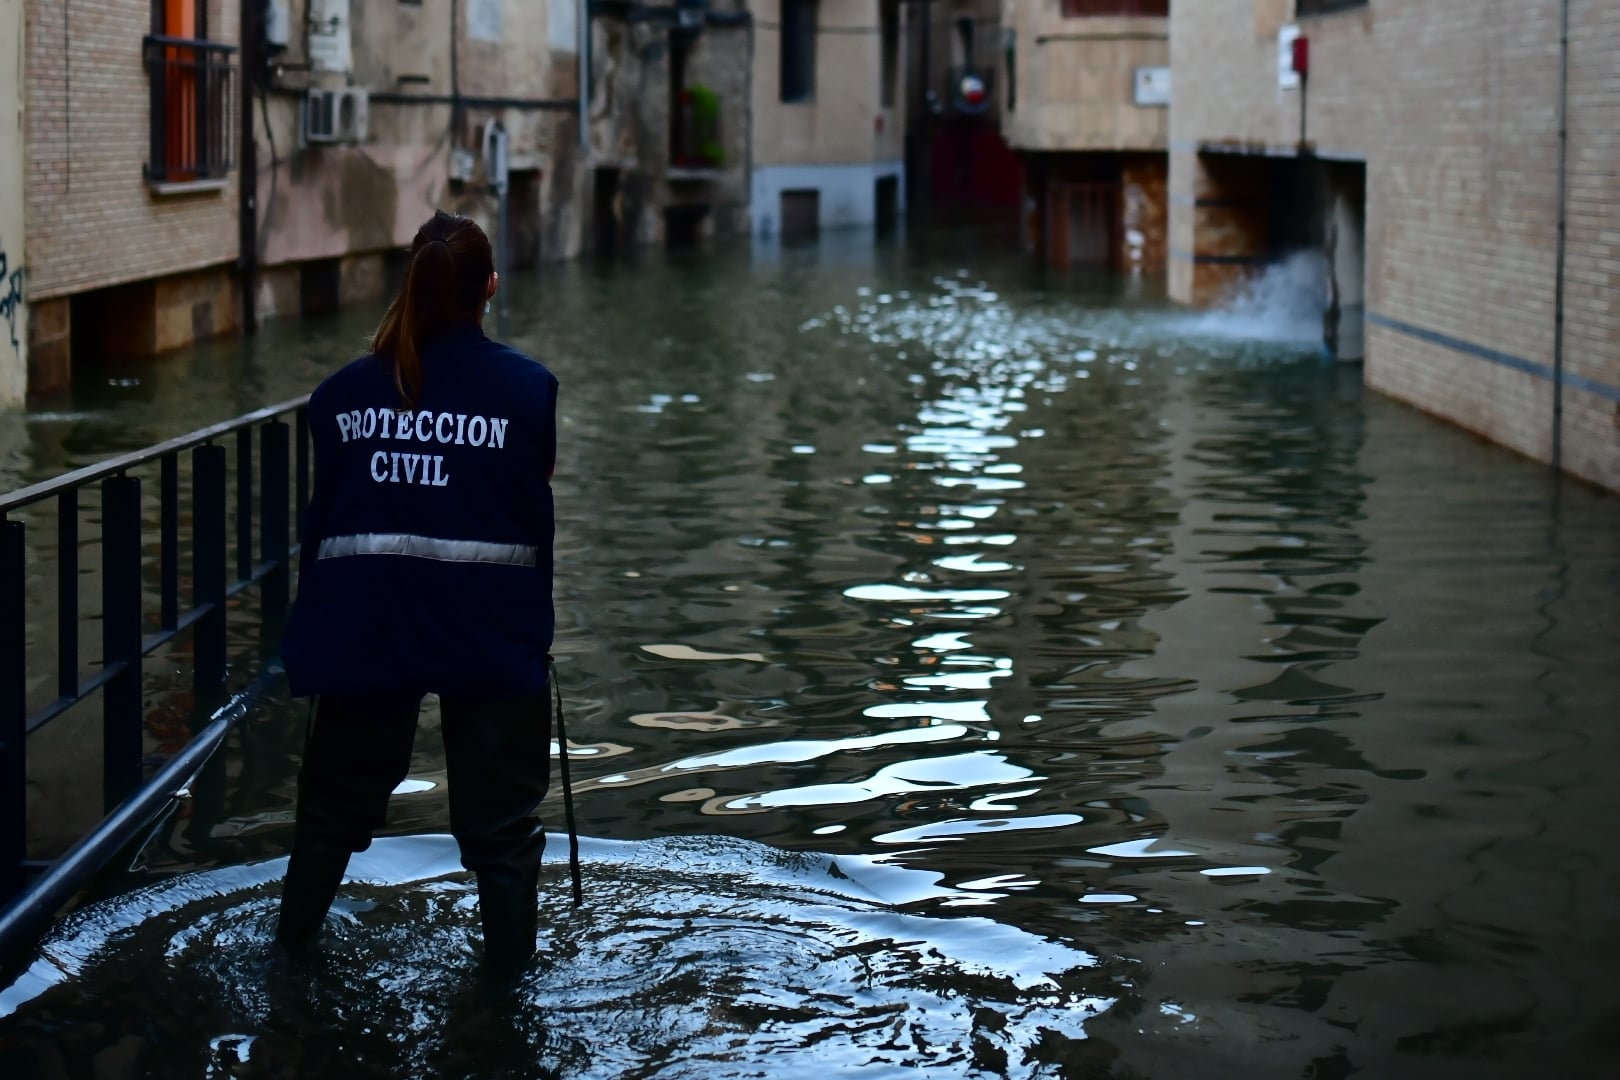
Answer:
x=327 y=201
x=629 y=121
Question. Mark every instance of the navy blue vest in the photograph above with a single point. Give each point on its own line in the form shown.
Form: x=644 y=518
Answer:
x=426 y=559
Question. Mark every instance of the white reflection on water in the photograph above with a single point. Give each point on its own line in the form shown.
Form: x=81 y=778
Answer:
x=749 y=960
x=963 y=828
x=953 y=773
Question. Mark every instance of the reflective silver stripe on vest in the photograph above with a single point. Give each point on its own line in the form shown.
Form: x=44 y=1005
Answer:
x=429 y=547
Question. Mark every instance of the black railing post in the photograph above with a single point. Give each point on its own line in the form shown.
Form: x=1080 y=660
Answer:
x=244 y=503
x=13 y=709
x=301 y=473
x=67 y=593
x=121 y=725
x=157 y=77
x=273 y=494
x=169 y=541
x=208 y=562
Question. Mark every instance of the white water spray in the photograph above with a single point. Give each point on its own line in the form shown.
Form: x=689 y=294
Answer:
x=1284 y=304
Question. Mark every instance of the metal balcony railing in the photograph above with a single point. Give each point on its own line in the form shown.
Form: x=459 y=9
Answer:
x=141 y=611
x=193 y=89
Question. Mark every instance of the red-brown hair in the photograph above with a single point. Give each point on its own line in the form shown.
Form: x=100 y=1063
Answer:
x=445 y=285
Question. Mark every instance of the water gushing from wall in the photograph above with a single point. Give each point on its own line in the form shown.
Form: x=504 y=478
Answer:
x=1283 y=304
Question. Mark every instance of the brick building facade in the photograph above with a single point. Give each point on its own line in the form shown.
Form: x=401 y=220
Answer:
x=1422 y=159
x=121 y=248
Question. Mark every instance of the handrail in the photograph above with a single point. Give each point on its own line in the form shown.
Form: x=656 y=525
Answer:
x=200 y=44
x=115 y=466
x=272 y=470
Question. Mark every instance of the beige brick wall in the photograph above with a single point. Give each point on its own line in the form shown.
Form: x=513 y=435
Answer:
x=845 y=122
x=1076 y=80
x=1453 y=106
x=92 y=219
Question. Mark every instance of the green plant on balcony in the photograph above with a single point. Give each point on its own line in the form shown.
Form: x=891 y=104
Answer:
x=703 y=147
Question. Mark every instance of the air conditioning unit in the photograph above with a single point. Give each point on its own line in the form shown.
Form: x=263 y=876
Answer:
x=336 y=116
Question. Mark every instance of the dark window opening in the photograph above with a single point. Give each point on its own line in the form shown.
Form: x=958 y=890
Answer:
x=964 y=43
x=887 y=196
x=801 y=215
x=193 y=89
x=523 y=212
x=683 y=225
x=319 y=287
x=678 y=102
x=889 y=26
x=1081 y=9
x=798 y=58
x=605 y=209
x=1323 y=7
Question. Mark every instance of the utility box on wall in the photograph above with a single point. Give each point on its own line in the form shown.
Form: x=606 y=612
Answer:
x=329 y=35
x=1152 y=86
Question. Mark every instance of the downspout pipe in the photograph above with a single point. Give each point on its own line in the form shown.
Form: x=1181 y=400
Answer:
x=582 y=16
x=1558 y=272
x=247 y=173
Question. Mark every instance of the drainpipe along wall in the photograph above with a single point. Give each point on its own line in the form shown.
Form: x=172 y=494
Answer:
x=1558 y=280
x=247 y=173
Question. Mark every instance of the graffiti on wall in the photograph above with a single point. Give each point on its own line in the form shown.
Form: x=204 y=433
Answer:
x=11 y=296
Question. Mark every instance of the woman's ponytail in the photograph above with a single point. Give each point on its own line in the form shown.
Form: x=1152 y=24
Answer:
x=445 y=286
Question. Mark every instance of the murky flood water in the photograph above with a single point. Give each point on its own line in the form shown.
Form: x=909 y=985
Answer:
x=970 y=675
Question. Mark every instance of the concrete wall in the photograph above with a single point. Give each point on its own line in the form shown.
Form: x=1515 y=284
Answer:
x=1453 y=106
x=845 y=122
x=13 y=249
x=1076 y=79
x=847 y=193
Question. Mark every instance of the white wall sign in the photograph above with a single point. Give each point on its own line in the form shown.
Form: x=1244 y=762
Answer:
x=563 y=27
x=1153 y=86
x=329 y=35
x=484 y=19
x=1287 y=77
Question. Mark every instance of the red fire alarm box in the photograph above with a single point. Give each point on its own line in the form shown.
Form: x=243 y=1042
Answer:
x=1302 y=55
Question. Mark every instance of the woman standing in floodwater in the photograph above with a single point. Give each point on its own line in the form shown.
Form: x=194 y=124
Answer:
x=426 y=568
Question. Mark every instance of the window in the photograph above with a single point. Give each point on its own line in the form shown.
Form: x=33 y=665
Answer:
x=1079 y=9
x=889 y=25
x=1322 y=7
x=193 y=84
x=798 y=50
x=962 y=45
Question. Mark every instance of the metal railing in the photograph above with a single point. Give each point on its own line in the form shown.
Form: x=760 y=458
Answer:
x=193 y=88
x=133 y=625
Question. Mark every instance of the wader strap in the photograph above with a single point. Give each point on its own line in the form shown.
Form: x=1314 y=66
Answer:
x=568 y=793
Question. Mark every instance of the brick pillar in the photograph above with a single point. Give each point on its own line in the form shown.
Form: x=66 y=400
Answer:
x=1219 y=228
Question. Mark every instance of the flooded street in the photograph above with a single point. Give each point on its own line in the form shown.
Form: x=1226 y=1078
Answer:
x=970 y=674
